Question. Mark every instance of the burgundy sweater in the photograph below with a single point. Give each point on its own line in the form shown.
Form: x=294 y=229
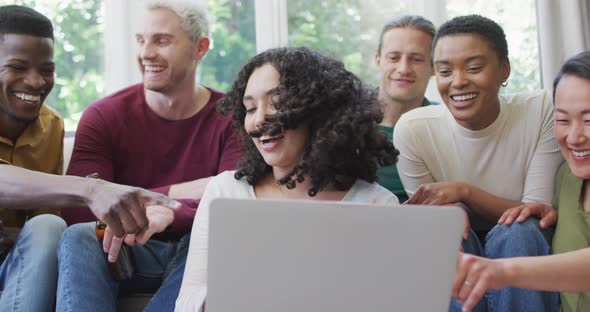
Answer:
x=124 y=141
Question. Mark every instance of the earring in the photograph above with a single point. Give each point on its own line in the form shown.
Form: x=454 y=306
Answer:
x=504 y=84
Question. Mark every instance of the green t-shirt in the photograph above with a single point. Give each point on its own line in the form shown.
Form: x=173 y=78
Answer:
x=572 y=231
x=388 y=175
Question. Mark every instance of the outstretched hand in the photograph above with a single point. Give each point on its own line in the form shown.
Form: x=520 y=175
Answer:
x=123 y=208
x=474 y=276
x=438 y=193
x=441 y=193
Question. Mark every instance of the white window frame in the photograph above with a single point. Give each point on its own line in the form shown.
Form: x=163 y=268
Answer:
x=271 y=24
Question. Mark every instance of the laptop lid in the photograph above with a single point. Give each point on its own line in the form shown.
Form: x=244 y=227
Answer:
x=330 y=256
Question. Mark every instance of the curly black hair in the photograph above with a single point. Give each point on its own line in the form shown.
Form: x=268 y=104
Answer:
x=341 y=113
x=479 y=25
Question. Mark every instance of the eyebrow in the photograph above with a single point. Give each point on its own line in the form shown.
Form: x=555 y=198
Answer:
x=467 y=60
x=17 y=60
x=411 y=53
x=140 y=35
x=162 y=35
x=584 y=112
x=268 y=92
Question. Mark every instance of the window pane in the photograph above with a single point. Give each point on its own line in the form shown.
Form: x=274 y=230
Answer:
x=234 y=42
x=345 y=29
x=520 y=27
x=78 y=31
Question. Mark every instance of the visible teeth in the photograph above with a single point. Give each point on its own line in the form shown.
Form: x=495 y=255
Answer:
x=268 y=139
x=27 y=97
x=581 y=154
x=464 y=97
x=150 y=68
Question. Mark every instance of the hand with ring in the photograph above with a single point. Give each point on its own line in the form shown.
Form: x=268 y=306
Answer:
x=474 y=276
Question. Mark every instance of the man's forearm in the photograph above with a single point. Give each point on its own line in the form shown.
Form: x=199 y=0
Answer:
x=485 y=204
x=25 y=189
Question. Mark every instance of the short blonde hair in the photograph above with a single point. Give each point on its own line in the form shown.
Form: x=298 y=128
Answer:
x=193 y=18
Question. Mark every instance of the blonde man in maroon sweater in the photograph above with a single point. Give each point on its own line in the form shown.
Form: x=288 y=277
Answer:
x=165 y=135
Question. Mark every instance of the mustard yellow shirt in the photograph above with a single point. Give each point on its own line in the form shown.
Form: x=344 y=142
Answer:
x=39 y=148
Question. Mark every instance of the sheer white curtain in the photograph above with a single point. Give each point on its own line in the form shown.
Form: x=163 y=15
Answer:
x=564 y=30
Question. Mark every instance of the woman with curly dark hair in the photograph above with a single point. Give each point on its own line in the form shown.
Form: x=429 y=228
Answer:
x=309 y=131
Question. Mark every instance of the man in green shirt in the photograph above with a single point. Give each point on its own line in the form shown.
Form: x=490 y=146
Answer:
x=404 y=62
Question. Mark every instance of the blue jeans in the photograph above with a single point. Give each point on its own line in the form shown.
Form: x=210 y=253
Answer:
x=85 y=284
x=28 y=275
x=505 y=241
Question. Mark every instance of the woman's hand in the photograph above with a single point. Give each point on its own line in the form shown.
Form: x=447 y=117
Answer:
x=474 y=276
x=547 y=215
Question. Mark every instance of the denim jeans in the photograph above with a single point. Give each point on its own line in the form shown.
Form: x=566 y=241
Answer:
x=505 y=241
x=28 y=275
x=85 y=284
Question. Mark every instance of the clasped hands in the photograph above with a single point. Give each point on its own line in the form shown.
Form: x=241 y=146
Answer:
x=159 y=218
x=122 y=207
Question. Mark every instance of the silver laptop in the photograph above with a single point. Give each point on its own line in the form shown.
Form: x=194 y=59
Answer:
x=301 y=256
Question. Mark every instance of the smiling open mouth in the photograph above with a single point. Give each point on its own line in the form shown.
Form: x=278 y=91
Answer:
x=580 y=153
x=271 y=140
x=154 y=69
x=27 y=97
x=464 y=97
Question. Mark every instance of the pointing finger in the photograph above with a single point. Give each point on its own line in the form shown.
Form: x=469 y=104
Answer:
x=115 y=248
x=157 y=199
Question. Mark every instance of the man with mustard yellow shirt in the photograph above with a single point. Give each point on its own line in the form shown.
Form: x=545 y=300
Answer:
x=31 y=136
